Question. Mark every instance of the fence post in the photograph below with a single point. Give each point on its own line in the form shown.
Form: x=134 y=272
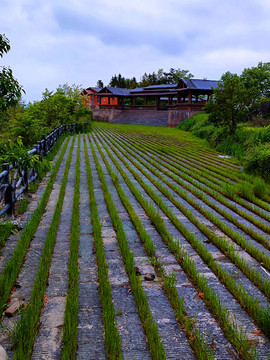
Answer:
x=39 y=150
x=44 y=145
x=25 y=178
x=9 y=194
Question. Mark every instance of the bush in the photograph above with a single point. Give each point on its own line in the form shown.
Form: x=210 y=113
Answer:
x=203 y=130
x=230 y=147
x=259 y=188
x=257 y=161
x=187 y=125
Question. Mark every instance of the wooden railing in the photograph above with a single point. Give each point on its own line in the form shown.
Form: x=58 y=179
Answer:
x=14 y=180
x=128 y=107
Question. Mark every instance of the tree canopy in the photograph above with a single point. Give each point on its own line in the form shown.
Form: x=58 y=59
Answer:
x=257 y=78
x=161 y=77
x=10 y=89
x=236 y=96
x=230 y=104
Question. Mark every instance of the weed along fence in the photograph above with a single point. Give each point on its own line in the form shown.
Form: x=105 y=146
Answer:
x=14 y=179
x=143 y=244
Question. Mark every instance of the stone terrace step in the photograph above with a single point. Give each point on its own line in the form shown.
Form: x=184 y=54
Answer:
x=143 y=117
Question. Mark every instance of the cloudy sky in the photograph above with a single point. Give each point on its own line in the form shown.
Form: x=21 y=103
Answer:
x=81 y=41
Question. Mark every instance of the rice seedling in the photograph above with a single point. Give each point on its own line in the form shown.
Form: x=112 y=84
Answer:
x=190 y=268
x=71 y=308
x=12 y=267
x=29 y=321
x=111 y=334
x=150 y=328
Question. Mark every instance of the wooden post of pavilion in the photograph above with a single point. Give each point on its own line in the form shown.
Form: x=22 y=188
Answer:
x=189 y=97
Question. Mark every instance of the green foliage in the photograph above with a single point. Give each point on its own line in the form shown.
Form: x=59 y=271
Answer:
x=26 y=126
x=82 y=114
x=100 y=84
x=14 y=153
x=54 y=110
x=161 y=77
x=258 y=79
x=5 y=231
x=230 y=104
x=4 y=45
x=260 y=187
x=10 y=90
x=22 y=205
x=17 y=154
x=257 y=161
x=187 y=125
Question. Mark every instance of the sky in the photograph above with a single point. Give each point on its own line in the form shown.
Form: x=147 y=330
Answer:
x=54 y=42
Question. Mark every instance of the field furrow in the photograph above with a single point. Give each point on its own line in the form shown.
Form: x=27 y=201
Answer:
x=237 y=277
x=139 y=244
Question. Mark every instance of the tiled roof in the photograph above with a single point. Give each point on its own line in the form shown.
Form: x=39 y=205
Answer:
x=138 y=89
x=201 y=84
x=93 y=88
x=118 y=91
x=162 y=86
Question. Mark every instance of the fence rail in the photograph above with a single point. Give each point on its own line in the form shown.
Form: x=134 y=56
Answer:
x=14 y=180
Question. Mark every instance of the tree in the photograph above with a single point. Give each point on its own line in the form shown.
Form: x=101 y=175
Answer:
x=258 y=80
x=230 y=104
x=71 y=91
x=4 y=45
x=100 y=84
x=171 y=77
x=118 y=81
x=10 y=90
x=174 y=75
x=54 y=109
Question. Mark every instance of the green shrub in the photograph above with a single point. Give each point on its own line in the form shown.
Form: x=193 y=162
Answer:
x=230 y=147
x=259 y=188
x=187 y=125
x=203 y=130
x=257 y=161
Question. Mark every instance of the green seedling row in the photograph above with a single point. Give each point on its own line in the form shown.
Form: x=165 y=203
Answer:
x=111 y=334
x=236 y=336
x=29 y=321
x=71 y=308
x=12 y=267
x=239 y=184
x=260 y=224
x=6 y=228
x=195 y=338
x=222 y=244
x=150 y=328
x=244 y=189
x=182 y=153
x=260 y=314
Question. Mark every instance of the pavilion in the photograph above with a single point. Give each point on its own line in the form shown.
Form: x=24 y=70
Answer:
x=180 y=100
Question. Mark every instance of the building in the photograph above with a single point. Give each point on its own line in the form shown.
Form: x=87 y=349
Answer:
x=180 y=100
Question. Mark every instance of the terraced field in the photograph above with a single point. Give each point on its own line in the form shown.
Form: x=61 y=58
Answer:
x=141 y=244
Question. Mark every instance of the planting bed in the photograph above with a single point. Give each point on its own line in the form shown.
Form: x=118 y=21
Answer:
x=142 y=244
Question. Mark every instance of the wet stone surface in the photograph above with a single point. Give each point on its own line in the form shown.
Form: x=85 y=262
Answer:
x=90 y=336
x=30 y=267
x=244 y=318
x=48 y=344
x=128 y=322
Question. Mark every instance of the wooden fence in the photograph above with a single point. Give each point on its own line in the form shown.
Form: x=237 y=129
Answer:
x=14 y=180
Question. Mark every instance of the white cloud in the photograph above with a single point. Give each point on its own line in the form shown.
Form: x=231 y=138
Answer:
x=79 y=41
